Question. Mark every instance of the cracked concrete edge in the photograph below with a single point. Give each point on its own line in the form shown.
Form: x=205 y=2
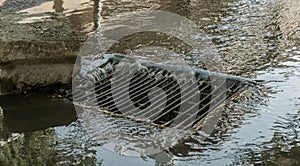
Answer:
x=36 y=50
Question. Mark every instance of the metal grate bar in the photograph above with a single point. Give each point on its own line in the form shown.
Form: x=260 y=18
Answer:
x=84 y=96
x=135 y=94
x=108 y=92
x=123 y=87
x=157 y=101
x=169 y=110
x=101 y=87
x=208 y=104
x=200 y=96
x=92 y=88
x=214 y=107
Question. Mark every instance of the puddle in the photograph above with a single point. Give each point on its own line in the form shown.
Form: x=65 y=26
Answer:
x=256 y=39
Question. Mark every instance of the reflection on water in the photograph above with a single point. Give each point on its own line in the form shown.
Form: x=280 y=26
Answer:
x=81 y=13
x=38 y=112
x=256 y=39
x=289 y=19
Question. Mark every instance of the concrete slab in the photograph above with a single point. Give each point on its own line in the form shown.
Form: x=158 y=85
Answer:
x=36 y=50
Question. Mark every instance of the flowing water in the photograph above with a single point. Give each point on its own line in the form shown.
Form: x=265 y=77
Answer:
x=257 y=39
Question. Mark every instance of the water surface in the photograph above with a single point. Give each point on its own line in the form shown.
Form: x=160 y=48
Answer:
x=256 y=39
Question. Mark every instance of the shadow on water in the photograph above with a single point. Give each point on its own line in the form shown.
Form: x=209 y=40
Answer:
x=35 y=112
x=37 y=130
x=256 y=39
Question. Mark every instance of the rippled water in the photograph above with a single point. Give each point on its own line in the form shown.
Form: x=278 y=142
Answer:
x=256 y=39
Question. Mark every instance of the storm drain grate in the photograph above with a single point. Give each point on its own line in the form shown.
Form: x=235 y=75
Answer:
x=174 y=96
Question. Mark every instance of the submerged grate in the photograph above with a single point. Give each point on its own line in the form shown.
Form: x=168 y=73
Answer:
x=174 y=96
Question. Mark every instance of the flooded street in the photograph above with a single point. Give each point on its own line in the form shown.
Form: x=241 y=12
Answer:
x=256 y=39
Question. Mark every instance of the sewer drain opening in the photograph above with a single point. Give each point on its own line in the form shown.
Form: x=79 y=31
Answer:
x=156 y=93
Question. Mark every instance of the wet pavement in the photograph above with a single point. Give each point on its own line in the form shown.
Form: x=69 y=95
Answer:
x=256 y=39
